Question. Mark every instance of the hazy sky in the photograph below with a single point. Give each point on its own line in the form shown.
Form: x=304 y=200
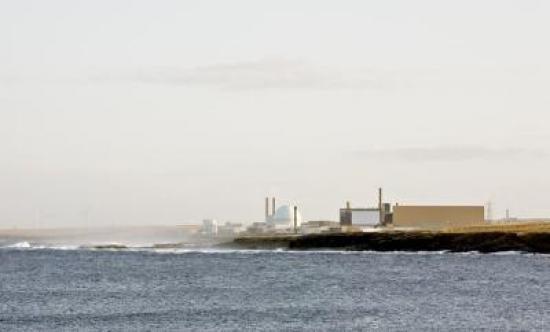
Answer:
x=164 y=112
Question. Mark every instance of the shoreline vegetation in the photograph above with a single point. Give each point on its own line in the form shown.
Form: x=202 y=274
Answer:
x=532 y=238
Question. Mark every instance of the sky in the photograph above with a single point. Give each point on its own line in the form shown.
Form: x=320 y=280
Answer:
x=165 y=112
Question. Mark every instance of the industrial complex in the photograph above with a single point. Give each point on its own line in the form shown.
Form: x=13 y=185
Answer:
x=382 y=226
x=411 y=217
x=287 y=219
x=396 y=227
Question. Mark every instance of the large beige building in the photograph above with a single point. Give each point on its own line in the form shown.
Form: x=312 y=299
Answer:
x=433 y=217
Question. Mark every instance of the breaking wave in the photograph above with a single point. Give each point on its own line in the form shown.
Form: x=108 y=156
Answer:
x=117 y=247
x=28 y=245
x=23 y=244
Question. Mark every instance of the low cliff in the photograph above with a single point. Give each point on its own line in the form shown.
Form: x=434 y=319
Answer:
x=404 y=241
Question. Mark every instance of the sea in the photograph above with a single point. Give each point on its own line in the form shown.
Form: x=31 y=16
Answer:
x=205 y=289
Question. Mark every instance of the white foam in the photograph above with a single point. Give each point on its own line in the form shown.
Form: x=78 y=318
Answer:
x=61 y=247
x=507 y=253
x=28 y=245
x=284 y=251
x=21 y=245
x=206 y=251
x=213 y=250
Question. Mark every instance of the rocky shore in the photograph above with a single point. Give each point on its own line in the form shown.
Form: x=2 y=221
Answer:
x=485 y=242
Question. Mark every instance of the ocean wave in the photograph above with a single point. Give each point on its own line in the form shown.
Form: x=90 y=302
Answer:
x=511 y=252
x=34 y=246
x=20 y=245
x=116 y=247
x=305 y=252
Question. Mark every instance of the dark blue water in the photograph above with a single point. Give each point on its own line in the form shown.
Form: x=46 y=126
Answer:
x=234 y=291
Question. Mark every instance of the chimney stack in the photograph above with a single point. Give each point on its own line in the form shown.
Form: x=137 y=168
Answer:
x=266 y=208
x=295 y=219
x=381 y=206
x=273 y=206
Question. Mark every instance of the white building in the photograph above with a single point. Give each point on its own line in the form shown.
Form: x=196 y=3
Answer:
x=360 y=217
x=283 y=219
x=210 y=227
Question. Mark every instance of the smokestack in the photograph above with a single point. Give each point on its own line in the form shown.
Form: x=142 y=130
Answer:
x=381 y=206
x=266 y=208
x=295 y=219
x=273 y=206
x=348 y=205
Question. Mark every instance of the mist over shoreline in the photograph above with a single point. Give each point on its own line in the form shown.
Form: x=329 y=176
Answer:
x=146 y=236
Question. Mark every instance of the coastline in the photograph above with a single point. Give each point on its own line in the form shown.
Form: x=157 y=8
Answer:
x=486 y=242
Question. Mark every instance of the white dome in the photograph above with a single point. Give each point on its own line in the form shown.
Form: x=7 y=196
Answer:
x=285 y=216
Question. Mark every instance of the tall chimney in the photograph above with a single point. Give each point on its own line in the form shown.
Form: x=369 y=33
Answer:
x=266 y=208
x=295 y=219
x=381 y=206
x=273 y=206
x=348 y=205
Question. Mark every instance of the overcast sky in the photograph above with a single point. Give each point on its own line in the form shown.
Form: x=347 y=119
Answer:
x=166 y=112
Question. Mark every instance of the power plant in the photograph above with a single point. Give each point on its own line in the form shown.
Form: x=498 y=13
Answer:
x=411 y=216
x=383 y=226
x=284 y=219
x=287 y=218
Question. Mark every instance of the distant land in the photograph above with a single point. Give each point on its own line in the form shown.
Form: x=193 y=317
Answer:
x=533 y=238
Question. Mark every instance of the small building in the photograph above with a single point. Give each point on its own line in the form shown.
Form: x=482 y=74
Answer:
x=210 y=227
x=319 y=226
x=366 y=218
x=437 y=217
x=230 y=229
x=189 y=229
x=359 y=217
